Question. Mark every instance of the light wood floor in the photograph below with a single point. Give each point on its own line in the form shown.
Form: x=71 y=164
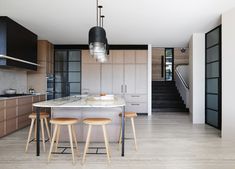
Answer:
x=165 y=141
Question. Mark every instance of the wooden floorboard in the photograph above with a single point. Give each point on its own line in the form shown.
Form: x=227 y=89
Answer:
x=165 y=141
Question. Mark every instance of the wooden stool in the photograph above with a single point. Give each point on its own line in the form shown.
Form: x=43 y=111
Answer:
x=96 y=121
x=130 y=115
x=72 y=135
x=43 y=117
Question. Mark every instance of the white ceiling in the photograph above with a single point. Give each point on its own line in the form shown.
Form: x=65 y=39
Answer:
x=162 y=23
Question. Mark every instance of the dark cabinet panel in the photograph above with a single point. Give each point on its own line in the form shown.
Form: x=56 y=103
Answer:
x=17 y=42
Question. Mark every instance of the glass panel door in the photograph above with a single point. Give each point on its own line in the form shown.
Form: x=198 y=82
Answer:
x=213 y=78
x=67 y=72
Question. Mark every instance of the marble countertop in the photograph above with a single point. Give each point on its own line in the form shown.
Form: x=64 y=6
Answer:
x=81 y=101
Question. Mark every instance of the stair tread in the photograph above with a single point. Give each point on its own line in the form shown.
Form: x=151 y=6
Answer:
x=165 y=97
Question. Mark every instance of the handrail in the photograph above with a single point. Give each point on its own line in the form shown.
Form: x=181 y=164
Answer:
x=180 y=76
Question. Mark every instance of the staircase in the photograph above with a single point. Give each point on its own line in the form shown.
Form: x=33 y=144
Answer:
x=166 y=98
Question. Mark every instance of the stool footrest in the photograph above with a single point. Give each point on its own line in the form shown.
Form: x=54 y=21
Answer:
x=39 y=140
x=63 y=151
x=97 y=150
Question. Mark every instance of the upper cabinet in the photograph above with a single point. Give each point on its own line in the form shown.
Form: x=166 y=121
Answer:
x=129 y=56
x=141 y=56
x=45 y=57
x=18 y=45
x=117 y=56
x=86 y=58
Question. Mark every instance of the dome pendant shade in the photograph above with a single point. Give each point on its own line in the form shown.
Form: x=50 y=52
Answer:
x=97 y=34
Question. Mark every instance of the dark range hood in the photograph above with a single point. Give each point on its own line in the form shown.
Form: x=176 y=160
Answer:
x=18 y=45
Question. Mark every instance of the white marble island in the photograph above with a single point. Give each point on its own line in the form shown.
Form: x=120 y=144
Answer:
x=87 y=106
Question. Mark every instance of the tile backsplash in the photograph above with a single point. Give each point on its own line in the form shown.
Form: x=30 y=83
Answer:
x=16 y=79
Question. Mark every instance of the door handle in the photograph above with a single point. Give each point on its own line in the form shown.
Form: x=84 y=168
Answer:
x=121 y=88
x=135 y=104
x=135 y=96
x=125 y=88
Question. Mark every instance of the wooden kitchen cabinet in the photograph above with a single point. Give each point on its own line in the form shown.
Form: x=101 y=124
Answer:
x=2 y=119
x=14 y=113
x=86 y=58
x=129 y=56
x=141 y=56
x=141 y=79
x=126 y=76
x=117 y=78
x=91 y=78
x=117 y=56
x=38 y=79
x=106 y=78
x=129 y=82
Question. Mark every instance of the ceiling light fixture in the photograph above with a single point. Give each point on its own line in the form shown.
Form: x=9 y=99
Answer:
x=97 y=38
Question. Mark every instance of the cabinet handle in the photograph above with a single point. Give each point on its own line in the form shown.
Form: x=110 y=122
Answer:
x=126 y=88
x=135 y=96
x=121 y=88
x=135 y=104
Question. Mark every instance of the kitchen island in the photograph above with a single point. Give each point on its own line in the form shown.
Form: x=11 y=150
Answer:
x=82 y=107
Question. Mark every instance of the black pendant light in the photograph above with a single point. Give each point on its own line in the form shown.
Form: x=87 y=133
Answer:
x=97 y=39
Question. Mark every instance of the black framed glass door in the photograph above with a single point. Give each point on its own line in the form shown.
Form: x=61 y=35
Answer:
x=67 y=72
x=213 y=78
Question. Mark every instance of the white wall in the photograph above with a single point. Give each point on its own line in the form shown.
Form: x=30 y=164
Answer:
x=228 y=78
x=16 y=79
x=197 y=78
x=150 y=79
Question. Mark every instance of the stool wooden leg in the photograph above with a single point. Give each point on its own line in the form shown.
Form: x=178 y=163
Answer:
x=47 y=128
x=29 y=136
x=52 y=142
x=71 y=140
x=133 y=128
x=43 y=136
x=106 y=142
x=87 y=143
x=35 y=131
x=75 y=139
x=57 y=138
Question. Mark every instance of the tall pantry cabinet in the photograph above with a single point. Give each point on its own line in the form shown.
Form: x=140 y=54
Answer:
x=124 y=74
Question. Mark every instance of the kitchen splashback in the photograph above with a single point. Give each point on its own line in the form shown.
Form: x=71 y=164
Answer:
x=13 y=79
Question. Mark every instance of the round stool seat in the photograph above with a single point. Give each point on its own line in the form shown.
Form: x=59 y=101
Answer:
x=64 y=121
x=129 y=114
x=42 y=115
x=97 y=121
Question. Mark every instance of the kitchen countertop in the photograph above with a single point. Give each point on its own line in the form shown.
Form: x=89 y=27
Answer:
x=81 y=101
x=15 y=97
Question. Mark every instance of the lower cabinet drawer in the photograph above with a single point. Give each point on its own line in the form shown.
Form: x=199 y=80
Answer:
x=137 y=107
x=23 y=121
x=10 y=125
x=2 y=129
x=1 y=115
x=11 y=113
x=36 y=99
x=136 y=98
x=24 y=109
